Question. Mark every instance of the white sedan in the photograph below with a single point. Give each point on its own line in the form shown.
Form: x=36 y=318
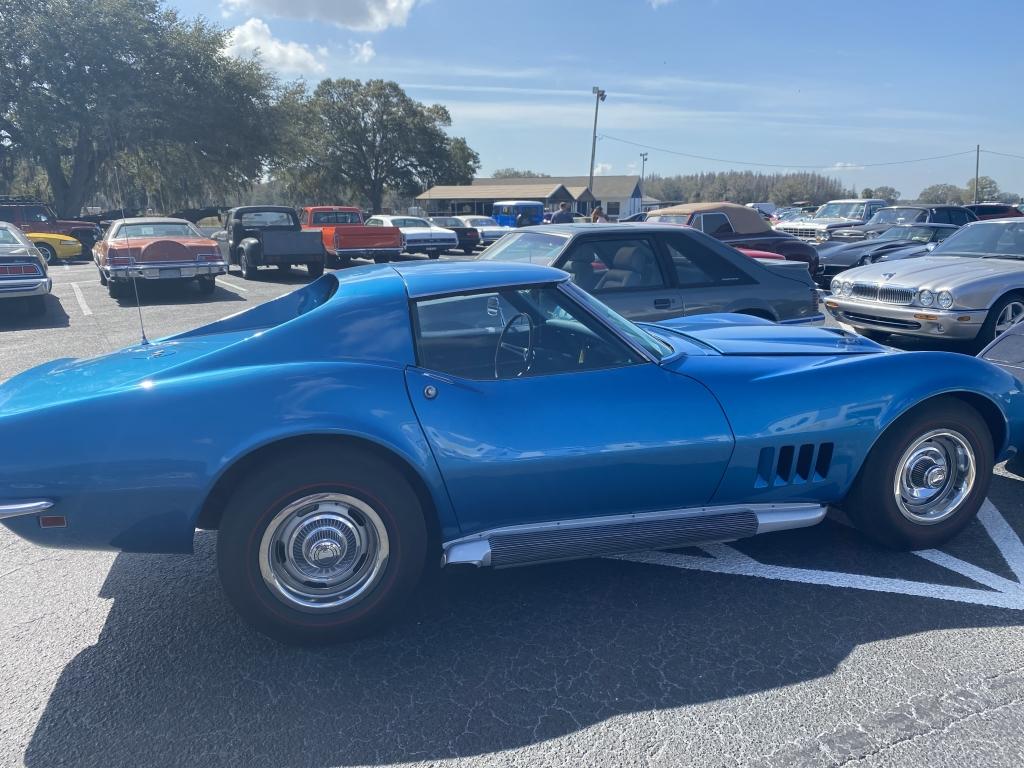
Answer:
x=490 y=230
x=418 y=235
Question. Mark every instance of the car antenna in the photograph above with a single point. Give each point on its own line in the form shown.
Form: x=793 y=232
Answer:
x=131 y=259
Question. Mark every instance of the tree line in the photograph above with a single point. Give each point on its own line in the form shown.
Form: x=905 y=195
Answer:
x=134 y=106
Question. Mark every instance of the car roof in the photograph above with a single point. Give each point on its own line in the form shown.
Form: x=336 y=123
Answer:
x=267 y=208
x=151 y=220
x=439 y=278
x=587 y=228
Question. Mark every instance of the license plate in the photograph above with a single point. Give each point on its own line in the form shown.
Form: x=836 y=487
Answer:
x=164 y=273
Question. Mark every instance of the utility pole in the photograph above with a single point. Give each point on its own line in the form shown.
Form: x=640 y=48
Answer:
x=977 y=168
x=599 y=96
x=643 y=167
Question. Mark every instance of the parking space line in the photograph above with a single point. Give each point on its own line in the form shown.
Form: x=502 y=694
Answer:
x=231 y=285
x=81 y=300
x=67 y=267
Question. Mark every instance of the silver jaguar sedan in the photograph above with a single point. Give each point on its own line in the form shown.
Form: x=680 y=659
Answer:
x=970 y=287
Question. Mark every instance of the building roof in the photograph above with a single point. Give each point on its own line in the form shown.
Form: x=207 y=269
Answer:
x=541 y=189
x=604 y=187
x=746 y=221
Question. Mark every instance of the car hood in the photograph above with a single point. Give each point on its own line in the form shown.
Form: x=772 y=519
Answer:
x=741 y=335
x=851 y=253
x=934 y=272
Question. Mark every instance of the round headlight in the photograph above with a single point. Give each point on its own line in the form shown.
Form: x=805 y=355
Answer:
x=945 y=299
x=925 y=298
x=836 y=286
x=847 y=288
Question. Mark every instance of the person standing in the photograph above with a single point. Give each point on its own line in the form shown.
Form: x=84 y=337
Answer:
x=598 y=217
x=562 y=215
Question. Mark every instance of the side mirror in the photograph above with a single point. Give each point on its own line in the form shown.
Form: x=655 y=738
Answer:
x=929 y=246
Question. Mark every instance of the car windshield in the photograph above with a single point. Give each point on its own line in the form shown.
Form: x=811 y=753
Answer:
x=155 y=229
x=985 y=239
x=484 y=222
x=527 y=247
x=897 y=216
x=669 y=219
x=917 y=234
x=444 y=222
x=840 y=211
x=637 y=335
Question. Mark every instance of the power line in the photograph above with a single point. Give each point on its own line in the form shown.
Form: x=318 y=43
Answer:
x=1002 y=154
x=819 y=167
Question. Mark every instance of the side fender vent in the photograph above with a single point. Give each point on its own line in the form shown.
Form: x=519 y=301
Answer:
x=793 y=465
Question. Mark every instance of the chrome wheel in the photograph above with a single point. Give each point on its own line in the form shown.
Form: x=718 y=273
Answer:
x=1012 y=313
x=934 y=476
x=323 y=552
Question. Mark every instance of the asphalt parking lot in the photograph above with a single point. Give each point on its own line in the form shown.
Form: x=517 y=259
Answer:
x=810 y=647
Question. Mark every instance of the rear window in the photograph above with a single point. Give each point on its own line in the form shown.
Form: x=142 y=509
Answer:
x=156 y=229
x=527 y=247
x=266 y=219
x=336 y=217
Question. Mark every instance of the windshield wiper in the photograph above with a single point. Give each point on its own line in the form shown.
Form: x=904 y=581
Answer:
x=1014 y=256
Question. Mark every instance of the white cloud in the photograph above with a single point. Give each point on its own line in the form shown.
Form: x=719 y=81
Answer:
x=367 y=15
x=254 y=38
x=602 y=168
x=658 y=3
x=362 y=53
x=841 y=166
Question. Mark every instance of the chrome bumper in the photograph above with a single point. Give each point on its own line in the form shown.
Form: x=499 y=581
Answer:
x=23 y=508
x=168 y=271
x=927 y=322
x=35 y=286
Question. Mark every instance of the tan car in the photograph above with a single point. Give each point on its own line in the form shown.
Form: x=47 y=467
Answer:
x=156 y=249
x=971 y=287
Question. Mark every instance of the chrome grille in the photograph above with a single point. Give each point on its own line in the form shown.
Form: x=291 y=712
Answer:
x=885 y=294
x=805 y=233
x=890 y=295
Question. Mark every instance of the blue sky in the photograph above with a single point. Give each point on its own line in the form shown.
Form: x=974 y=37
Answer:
x=827 y=85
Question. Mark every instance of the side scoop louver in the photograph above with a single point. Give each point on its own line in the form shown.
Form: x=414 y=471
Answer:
x=793 y=465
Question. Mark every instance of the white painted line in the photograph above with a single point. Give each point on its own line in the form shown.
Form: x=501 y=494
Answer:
x=231 y=285
x=81 y=300
x=1007 y=594
x=67 y=267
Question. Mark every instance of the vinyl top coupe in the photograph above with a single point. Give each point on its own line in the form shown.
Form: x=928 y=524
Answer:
x=380 y=421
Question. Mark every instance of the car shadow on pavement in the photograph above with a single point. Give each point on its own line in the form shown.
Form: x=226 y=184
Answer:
x=171 y=293
x=491 y=661
x=15 y=316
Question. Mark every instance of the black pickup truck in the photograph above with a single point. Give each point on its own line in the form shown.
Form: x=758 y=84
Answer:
x=256 y=236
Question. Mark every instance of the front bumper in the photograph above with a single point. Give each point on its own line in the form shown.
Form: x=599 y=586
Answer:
x=33 y=286
x=167 y=271
x=927 y=322
x=432 y=246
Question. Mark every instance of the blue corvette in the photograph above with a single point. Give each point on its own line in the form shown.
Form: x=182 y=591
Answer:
x=347 y=437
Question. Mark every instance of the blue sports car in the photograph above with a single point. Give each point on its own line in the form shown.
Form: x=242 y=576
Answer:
x=349 y=436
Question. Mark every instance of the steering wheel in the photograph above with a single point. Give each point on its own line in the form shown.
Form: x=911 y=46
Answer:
x=523 y=355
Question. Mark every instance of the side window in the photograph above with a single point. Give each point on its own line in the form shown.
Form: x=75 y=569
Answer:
x=513 y=333
x=958 y=216
x=940 y=216
x=716 y=224
x=614 y=265
x=613 y=208
x=373 y=222
x=942 y=234
x=36 y=213
x=697 y=266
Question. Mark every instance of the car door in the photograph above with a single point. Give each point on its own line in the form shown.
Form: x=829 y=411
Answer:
x=709 y=281
x=626 y=273
x=601 y=430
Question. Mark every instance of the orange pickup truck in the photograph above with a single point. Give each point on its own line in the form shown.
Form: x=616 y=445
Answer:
x=346 y=237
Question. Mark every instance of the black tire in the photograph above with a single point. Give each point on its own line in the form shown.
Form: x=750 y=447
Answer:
x=469 y=251
x=988 y=329
x=248 y=270
x=48 y=253
x=433 y=254
x=315 y=268
x=103 y=276
x=207 y=285
x=871 y=503
x=261 y=499
x=115 y=288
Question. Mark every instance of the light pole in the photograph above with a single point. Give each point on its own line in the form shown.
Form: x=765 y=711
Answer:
x=599 y=96
x=643 y=167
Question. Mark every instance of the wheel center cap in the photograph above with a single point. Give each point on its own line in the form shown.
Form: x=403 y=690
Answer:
x=326 y=553
x=935 y=477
